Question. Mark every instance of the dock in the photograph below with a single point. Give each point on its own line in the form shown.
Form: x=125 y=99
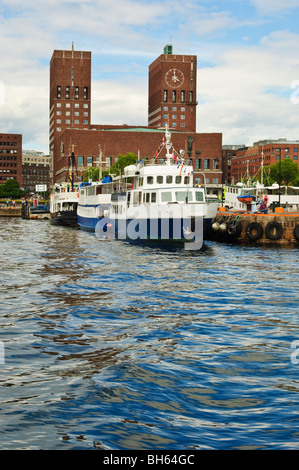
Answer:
x=279 y=227
x=10 y=211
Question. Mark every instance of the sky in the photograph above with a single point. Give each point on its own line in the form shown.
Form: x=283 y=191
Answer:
x=247 y=58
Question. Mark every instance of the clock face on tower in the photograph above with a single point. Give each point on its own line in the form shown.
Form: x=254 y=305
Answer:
x=174 y=78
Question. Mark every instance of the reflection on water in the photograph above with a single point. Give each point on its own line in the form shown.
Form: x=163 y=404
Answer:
x=114 y=346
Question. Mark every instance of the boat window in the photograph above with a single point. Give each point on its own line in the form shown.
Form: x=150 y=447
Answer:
x=199 y=196
x=140 y=182
x=153 y=197
x=99 y=190
x=146 y=197
x=169 y=179
x=178 y=179
x=186 y=180
x=181 y=196
x=150 y=180
x=166 y=196
x=159 y=179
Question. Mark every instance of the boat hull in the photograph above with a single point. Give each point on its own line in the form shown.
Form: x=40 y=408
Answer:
x=64 y=218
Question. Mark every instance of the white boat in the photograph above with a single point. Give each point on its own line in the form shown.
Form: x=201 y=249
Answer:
x=240 y=197
x=63 y=204
x=162 y=204
x=94 y=199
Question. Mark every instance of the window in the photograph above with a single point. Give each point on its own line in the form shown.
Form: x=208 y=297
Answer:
x=68 y=113
x=80 y=160
x=182 y=124
x=85 y=91
x=165 y=96
x=191 y=96
x=169 y=179
x=174 y=108
x=67 y=92
x=186 y=180
x=295 y=150
x=181 y=196
x=89 y=161
x=166 y=196
x=173 y=96
x=165 y=108
x=182 y=96
x=59 y=92
x=85 y=105
x=206 y=164
x=58 y=113
x=178 y=179
x=77 y=113
x=150 y=180
x=174 y=116
x=58 y=105
x=165 y=116
x=76 y=121
x=67 y=105
x=199 y=196
x=159 y=179
x=77 y=105
x=76 y=92
x=197 y=164
x=153 y=197
x=85 y=121
x=215 y=180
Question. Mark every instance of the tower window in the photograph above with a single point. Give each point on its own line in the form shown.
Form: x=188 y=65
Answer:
x=173 y=96
x=182 y=96
x=85 y=90
x=67 y=92
x=59 y=92
x=165 y=96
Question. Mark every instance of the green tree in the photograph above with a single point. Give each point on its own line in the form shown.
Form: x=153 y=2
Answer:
x=289 y=172
x=123 y=160
x=11 y=189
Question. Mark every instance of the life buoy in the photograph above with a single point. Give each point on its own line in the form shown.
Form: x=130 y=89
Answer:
x=254 y=231
x=296 y=232
x=274 y=230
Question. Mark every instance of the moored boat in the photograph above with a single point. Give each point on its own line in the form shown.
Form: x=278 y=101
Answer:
x=162 y=204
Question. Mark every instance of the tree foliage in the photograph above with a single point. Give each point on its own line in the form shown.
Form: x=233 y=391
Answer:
x=11 y=189
x=117 y=169
x=287 y=173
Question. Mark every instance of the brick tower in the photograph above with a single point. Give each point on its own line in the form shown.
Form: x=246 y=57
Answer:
x=172 y=91
x=70 y=100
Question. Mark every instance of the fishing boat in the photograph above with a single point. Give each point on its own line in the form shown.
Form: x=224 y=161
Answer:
x=64 y=199
x=161 y=204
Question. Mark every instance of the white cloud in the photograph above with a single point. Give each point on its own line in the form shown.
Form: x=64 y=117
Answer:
x=248 y=96
x=274 y=6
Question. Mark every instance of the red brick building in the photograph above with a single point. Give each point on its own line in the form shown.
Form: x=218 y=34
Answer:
x=10 y=157
x=70 y=103
x=172 y=91
x=249 y=160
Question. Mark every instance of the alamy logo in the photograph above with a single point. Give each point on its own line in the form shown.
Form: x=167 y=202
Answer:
x=2 y=92
x=295 y=353
x=148 y=224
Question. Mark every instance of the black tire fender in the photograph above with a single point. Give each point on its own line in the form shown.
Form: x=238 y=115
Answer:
x=254 y=231
x=296 y=232
x=274 y=230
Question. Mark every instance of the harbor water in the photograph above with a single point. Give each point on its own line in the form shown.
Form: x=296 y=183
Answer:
x=107 y=345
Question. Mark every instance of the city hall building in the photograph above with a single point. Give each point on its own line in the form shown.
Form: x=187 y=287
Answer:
x=172 y=100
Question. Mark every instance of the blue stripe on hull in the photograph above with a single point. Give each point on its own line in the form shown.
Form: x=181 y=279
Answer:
x=87 y=223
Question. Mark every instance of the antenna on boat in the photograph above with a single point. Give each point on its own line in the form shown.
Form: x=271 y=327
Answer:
x=168 y=144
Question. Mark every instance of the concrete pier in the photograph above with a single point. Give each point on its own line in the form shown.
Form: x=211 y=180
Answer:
x=280 y=228
x=10 y=211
